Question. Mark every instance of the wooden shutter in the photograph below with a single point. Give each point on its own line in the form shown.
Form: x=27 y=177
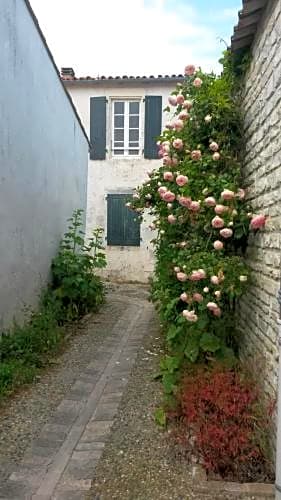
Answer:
x=123 y=226
x=98 y=128
x=153 y=125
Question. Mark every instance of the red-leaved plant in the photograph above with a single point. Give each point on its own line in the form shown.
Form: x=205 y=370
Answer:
x=221 y=413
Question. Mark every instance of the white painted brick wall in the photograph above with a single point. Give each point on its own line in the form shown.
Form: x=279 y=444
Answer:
x=258 y=310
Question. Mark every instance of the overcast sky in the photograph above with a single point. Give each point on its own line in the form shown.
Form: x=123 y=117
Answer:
x=136 y=37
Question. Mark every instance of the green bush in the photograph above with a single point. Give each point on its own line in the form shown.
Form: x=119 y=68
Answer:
x=74 y=284
x=74 y=291
x=202 y=220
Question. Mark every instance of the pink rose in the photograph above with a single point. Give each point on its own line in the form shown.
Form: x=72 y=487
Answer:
x=226 y=232
x=217 y=311
x=172 y=219
x=169 y=206
x=177 y=269
x=241 y=193
x=218 y=245
x=214 y=146
x=136 y=196
x=178 y=124
x=177 y=143
x=215 y=280
x=196 y=154
x=162 y=190
x=181 y=276
x=258 y=221
x=167 y=161
x=189 y=70
x=183 y=297
x=210 y=201
x=194 y=206
x=197 y=275
x=152 y=227
x=220 y=209
x=168 y=176
x=190 y=315
x=169 y=196
x=197 y=297
x=184 y=201
x=212 y=306
x=169 y=125
x=197 y=82
x=217 y=294
x=217 y=222
x=216 y=156
x=172 y=100
x=227 y=194
x=180 y=99
x=202 y=273
x=183 y=115
x=187 y=105
x=181 y=180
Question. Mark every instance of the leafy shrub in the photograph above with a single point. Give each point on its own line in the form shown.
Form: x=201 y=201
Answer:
x=220 y=410
x=74 y=291
x=74 y=283
x=201 y=219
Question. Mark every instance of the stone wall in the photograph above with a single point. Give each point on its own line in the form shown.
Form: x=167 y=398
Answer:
x=262 y=176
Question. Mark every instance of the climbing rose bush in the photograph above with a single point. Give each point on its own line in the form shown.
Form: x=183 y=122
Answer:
x=202 y=220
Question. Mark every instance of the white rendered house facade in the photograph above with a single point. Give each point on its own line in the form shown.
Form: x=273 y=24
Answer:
x=123 y=117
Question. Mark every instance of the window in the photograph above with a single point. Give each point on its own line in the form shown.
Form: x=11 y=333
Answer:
x=126 y=127
x=123 y=225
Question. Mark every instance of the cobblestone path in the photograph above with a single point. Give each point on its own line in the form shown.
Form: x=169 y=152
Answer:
x=59 y=461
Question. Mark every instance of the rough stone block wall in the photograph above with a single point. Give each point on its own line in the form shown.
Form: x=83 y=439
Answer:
x=258 y=312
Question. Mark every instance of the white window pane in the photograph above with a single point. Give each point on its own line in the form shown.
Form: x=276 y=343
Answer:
x=133 y=135
x=119 y=134
x=133 y=152
x=134 y=121
x=119 y=121
x=134 y=108
x=119 y=107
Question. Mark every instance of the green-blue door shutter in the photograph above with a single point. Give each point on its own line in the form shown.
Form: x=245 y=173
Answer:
x=123 y=225
x=153 y=125
x=98 y=128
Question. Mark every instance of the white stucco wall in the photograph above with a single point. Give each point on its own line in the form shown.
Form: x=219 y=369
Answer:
x=43 y=161
x=115 y=175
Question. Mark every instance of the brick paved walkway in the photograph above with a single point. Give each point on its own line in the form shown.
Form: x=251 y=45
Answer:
x=61 y=461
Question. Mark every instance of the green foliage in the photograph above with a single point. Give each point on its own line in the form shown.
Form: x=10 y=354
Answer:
x=75 y=285
x=199 y=314
x=74 y=291
x=160 y=417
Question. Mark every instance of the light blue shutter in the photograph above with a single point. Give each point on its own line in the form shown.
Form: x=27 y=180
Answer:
x=98 y=128
x=123 y=226
x=152 y=126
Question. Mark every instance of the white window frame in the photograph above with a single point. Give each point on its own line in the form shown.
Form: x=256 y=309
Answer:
x=126 y=148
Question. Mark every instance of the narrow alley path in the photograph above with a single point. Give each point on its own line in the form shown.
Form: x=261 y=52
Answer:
x=53 y=434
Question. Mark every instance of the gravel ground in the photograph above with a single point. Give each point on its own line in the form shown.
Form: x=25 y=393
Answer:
x=23 y=415
x=139 y=461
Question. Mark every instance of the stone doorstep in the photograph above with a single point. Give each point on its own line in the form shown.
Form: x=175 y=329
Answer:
x=257 y=490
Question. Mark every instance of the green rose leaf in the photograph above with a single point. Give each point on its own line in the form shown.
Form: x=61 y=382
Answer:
x=209 y=342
